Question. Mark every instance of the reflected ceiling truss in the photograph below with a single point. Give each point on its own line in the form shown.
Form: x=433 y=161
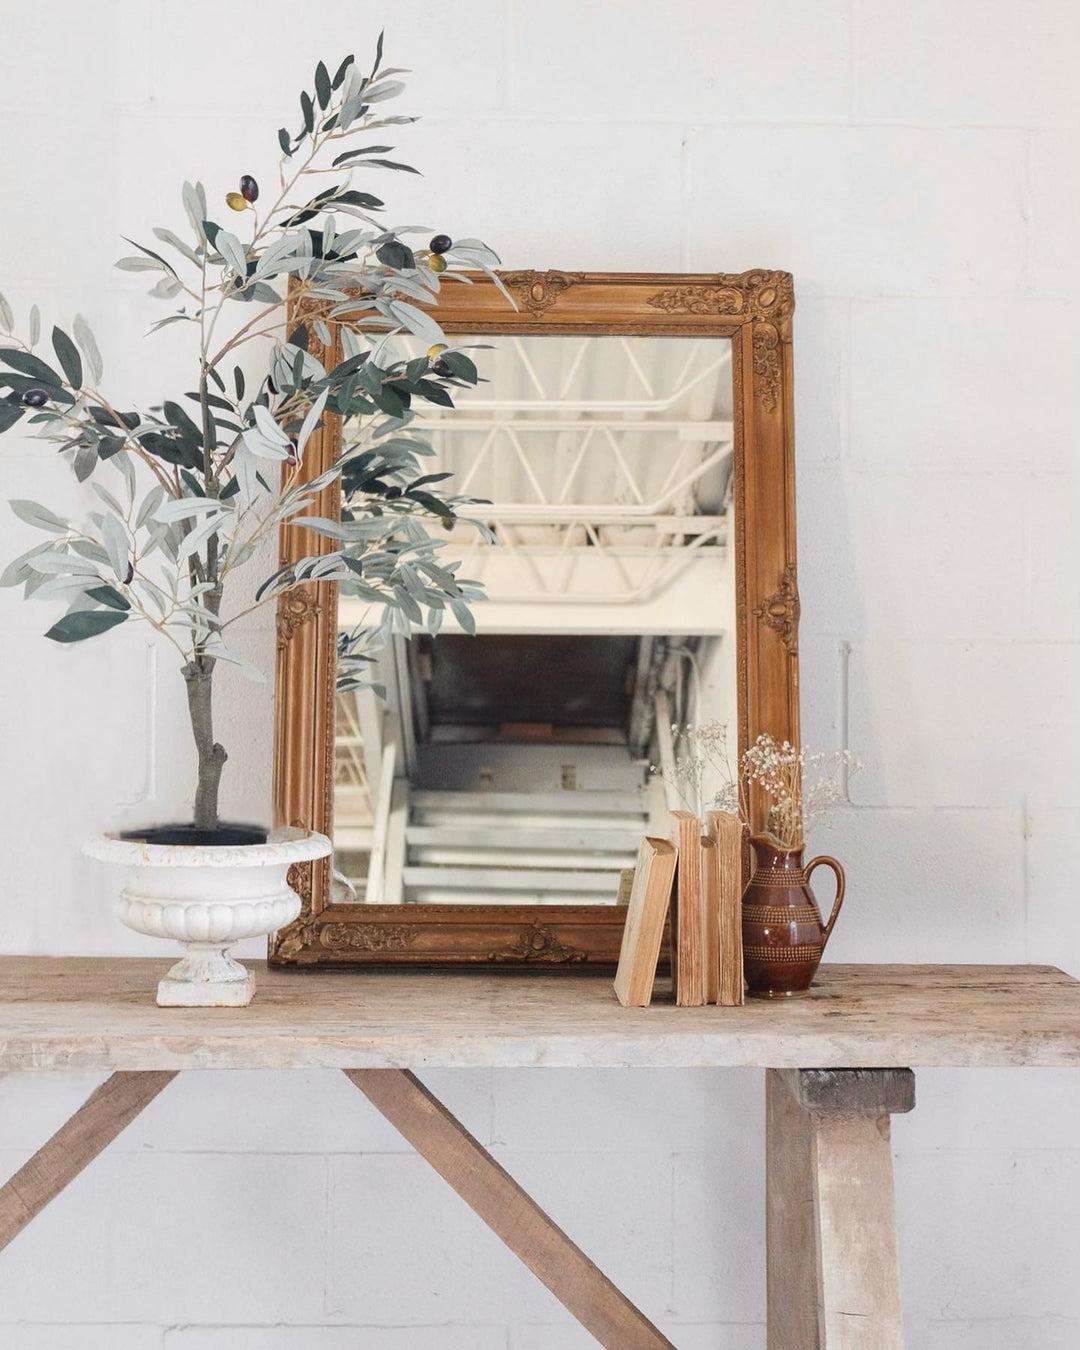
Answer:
x=599 y=500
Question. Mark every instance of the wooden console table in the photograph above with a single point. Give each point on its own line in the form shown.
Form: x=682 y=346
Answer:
x=839 y=1064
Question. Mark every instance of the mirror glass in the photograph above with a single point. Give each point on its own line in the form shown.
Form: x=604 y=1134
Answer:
x=522 y=764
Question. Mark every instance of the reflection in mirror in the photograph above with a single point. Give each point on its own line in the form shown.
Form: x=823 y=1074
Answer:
x=524 y=763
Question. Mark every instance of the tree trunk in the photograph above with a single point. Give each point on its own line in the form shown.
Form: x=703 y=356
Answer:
x=199 y=676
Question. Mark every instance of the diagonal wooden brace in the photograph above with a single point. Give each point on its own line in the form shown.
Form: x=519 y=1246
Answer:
x=512 y=1215
x=108 y=1110
x=833 y=1272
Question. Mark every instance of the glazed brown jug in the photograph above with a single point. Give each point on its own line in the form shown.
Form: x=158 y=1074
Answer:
x=783 y=936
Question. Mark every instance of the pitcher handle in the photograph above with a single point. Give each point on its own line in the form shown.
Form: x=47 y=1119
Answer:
x=840 y=882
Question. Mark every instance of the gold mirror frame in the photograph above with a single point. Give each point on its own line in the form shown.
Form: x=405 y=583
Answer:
x=753 y=309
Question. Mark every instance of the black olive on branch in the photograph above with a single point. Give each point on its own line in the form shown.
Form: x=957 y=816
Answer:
x=249 y=188
x=441 y=243
x=35 y=398
x=441 y=368
x=392 y=493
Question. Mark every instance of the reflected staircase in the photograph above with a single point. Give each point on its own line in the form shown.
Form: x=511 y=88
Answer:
x=527 y=848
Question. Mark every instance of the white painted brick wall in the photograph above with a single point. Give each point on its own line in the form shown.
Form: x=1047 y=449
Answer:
x=915 y=165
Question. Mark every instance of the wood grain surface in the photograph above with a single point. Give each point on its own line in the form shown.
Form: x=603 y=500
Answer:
x=688 y=913
x=99 y=1014
x=832 y=1266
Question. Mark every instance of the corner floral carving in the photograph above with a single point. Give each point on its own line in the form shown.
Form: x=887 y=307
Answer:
x=539 y=291
x=368 y=937
x=299 y=879
x=780 y=611
x=537 y=943
x=767 y=365
x=301 y=939
x=766 y=298
x=288 y=943
x=294 y=609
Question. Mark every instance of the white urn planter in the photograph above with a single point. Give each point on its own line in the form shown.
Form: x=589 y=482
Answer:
x=208 y=897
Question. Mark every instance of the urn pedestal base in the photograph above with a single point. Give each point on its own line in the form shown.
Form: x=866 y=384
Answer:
x=208 y=977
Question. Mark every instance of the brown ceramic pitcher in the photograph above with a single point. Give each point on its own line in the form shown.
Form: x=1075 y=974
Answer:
x=783 y=936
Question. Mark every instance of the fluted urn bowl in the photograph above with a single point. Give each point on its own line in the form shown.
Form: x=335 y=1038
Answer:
x=208 y=897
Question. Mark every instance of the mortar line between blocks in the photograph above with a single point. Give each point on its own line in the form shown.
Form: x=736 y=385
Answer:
x=152 y=703
x=328 y=1233
x=445 y=115
x=1029 y=556
x=1027 y=209
x=509 y=31
x=1025 y=882
x=854 y=17
x=845 y=451
x=671 y=1233
x=845 y=713
x=686 y=187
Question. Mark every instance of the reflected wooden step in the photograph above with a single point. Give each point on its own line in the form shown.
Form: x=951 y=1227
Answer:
x=510 y=825
x=525 y=839
x=568 y=803
x=435 y=896
x=511 y=879
x=487 y=858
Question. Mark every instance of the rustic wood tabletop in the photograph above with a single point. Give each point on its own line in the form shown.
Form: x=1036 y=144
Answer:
x=99 y=1014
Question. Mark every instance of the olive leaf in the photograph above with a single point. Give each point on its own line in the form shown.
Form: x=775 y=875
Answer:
x=9 y=415
x=68 y=356
x=322 y=85
x=109 y=595
x=232 y=251
x=28 y=364
x=35 y=514
x=85 y=623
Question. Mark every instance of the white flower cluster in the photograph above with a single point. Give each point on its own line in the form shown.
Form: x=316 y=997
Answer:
x=799 y=788
x=794 y=787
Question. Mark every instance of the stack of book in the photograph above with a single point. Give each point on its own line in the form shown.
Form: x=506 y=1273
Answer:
x=696 y=881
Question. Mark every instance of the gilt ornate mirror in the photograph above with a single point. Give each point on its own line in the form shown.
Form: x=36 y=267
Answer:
x=633 y=447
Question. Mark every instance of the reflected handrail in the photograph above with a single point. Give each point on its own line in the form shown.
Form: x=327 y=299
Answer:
x=376 y=881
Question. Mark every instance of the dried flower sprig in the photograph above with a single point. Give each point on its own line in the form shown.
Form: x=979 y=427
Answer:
x=798 y=787
x=701 y=774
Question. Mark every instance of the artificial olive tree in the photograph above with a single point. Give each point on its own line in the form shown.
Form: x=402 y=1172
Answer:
x=202 y=478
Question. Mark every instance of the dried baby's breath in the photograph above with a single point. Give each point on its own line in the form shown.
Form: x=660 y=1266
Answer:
x=795 y=786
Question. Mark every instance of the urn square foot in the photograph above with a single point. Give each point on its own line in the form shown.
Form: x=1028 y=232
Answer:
x=206 y=978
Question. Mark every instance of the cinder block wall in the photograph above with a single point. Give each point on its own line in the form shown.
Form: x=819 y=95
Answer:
x=915 y=166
